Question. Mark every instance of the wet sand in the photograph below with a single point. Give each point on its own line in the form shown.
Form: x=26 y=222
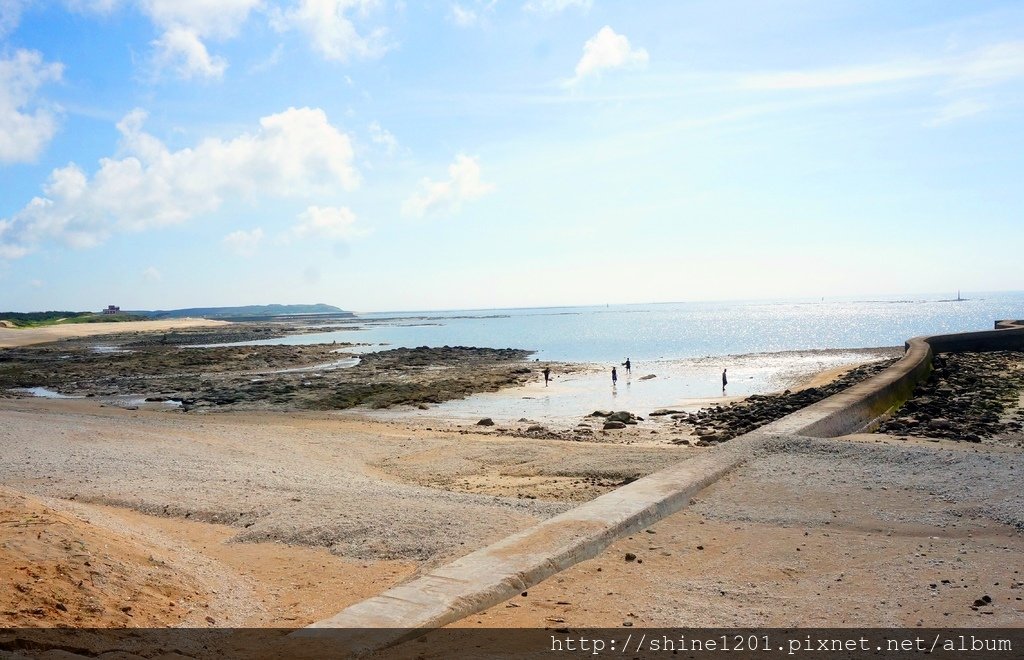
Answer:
x=687 y=384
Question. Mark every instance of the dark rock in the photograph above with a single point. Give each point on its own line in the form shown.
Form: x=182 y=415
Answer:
x=486 y=421
x=608 y=426
x=630 y=556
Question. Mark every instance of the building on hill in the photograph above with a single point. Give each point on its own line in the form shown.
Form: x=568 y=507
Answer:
x=112 y=309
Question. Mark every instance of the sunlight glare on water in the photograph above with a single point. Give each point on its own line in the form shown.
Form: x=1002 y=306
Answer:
x=680 y=330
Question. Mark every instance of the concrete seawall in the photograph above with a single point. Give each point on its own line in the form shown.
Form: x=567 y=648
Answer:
x=859 y=407
x=493 y=574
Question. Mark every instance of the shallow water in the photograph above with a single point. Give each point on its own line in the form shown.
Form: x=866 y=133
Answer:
x=680 y=330
x=681 y=384
x=43 y=392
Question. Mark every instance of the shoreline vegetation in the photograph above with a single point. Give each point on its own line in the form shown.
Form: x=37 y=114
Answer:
x=18 y=320
x=318 y=313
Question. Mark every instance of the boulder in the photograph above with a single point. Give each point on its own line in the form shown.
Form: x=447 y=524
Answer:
x=614 y=425
x=486 y=421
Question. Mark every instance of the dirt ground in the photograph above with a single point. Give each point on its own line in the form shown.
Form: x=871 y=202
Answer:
x=92 y=565
x=258 y=519
x=862 y=531
x=112 y=516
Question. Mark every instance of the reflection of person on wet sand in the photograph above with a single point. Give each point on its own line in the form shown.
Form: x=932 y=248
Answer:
x=725 y=381
x=547 y=375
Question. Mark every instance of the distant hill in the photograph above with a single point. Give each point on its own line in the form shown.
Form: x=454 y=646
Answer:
x=246 y=311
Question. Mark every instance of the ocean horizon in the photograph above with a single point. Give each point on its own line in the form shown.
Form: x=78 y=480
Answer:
x=669 y=331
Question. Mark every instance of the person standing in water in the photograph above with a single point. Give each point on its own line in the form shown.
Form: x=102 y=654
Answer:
x=615 y=377
x=547 y=375
x=628 y=366
x=725 y=381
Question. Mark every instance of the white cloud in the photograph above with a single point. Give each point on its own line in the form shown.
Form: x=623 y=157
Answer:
x=96 y=6
x=335 y=224
x=957 y=110
x=463 y=185
x=244 y=243
x=25 y=131
x=181 y=49
x=463 y=16
x=837 y=77
x=556 y=6
x=221 y=19
x=37 y=284
x=607 y=50
x=986 y=66
x=383 y=137
x=294 y=153
x=329 y=26
x=468 y=15
x=151 y=274
x=185 y=26
x=990 y=65
x=10 y=15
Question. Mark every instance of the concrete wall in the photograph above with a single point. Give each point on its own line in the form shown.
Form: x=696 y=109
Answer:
x=490 y=575
x=860 y=407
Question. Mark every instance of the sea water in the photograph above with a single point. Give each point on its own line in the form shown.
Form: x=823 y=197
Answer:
x=767 y=346
x=611 y=333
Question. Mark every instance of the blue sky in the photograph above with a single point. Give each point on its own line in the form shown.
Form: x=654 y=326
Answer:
x=384 y=155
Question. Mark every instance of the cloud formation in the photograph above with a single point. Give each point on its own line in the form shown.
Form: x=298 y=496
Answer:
x=294 y=153
x=383 y=137
x=983 y=67
x=186 y=23
x=25 y=130
x=464 y=184
x=607 y=50
x=329 y=27
x=244 y=243
x=468 y=15
x=556 y=6
x=10 y=15
x=334 y=224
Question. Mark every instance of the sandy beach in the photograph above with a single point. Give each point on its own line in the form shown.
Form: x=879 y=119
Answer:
x=13 y=337
x=121 y=513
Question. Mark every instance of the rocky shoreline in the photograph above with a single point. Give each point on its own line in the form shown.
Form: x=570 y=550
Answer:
x=179 y=367
x=721 y=423
x=968 y=397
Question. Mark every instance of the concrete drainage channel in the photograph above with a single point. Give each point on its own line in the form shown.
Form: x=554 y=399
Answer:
x=498 y=572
